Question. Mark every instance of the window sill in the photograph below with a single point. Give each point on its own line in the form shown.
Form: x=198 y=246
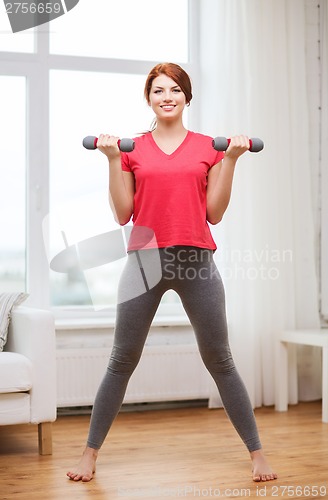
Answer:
x=87 y=323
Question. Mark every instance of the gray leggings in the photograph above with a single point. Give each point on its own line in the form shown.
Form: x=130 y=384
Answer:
x=192 y=273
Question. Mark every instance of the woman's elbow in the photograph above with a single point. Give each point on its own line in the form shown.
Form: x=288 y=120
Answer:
x=122 y=216
x=214 y=216
x=123 y=220
x=214 y=220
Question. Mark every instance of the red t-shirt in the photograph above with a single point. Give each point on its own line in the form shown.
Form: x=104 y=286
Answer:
x=170 y=192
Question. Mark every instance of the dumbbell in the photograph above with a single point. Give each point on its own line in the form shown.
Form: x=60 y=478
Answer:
x=221 y=144
x=125 y=145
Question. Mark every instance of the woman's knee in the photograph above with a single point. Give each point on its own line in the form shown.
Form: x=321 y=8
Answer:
x=218 y=362
x=123 y=361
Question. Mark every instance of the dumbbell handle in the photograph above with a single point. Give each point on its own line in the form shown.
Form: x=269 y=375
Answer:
x=125 y=145
x=221 y=144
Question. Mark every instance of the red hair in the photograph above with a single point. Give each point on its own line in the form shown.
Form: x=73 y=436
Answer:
x=173 y=71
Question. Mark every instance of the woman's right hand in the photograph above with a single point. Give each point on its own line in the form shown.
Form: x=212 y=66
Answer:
x=108 y=145
x=238 y=145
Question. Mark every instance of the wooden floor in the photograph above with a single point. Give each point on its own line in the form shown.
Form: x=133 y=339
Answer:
x=178 y=453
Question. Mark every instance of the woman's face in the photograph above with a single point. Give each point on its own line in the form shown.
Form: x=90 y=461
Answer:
x=166 y=98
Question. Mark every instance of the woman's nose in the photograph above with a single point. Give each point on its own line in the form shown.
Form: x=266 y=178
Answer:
x=167 y=96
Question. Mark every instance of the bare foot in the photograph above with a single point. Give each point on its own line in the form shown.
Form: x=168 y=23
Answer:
x=86 y=466
x=261 y=469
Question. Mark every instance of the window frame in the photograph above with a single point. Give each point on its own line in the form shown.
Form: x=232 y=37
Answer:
x=36 y=67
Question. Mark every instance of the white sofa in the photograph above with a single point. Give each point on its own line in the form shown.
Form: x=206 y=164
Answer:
x=28 y=373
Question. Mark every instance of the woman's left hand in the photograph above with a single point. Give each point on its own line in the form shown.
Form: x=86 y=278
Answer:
x=239 y=144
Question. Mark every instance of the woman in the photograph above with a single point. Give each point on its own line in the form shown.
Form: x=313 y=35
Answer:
x=173 y=184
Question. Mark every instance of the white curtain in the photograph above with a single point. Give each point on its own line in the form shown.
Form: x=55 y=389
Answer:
x=253 y=81
x=324 y=150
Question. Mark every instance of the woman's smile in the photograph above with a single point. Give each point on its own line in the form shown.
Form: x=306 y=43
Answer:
x=168 y=107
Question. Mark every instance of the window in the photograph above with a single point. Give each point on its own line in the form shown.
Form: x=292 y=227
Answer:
x=142 y=30
x=79 y=178
x=13 y=183
x=20 y=42
x=59 y=84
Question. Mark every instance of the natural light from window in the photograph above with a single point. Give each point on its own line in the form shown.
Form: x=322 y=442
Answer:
x=13 y=183
x=125 y=29
x=85 y=73
x=84 y=104
x=18 y=42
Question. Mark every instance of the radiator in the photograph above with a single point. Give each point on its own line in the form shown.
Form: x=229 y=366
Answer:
x=164 y=373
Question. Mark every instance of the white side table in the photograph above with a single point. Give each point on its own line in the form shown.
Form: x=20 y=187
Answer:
x=286 y=364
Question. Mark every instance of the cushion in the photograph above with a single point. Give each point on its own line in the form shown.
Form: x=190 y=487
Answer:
x=15 y=372
x=15 y=408
x=7 y=302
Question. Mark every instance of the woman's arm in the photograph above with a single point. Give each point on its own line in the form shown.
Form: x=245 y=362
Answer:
x=121 y=184
x=220 y=177
x=121 y=194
